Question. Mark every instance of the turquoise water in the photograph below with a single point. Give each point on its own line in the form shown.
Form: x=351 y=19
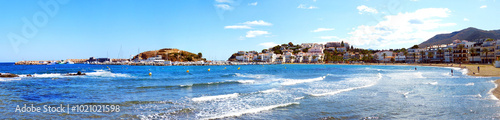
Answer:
x=253 y=92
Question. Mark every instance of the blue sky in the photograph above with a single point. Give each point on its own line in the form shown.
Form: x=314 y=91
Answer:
x=218 y=28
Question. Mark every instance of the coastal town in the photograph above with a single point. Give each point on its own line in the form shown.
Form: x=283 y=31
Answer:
x=484 y=51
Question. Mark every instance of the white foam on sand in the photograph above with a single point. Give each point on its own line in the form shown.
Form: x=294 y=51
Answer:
x=216 y=97
x=298 y=81
x=469 y=84
x=491 y=96
x=251 y=110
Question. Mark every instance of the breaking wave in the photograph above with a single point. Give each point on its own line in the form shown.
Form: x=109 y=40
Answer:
x=252 y=110
x=216 y=97
x=295 y=81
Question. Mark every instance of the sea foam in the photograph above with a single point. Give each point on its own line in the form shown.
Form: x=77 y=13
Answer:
x=298 y=81
x=97 y=73
x=252 y=110
x=270 y=90
x=379 y=76
x=209 y=98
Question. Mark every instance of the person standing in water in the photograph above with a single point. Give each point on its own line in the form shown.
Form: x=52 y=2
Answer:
x=451 y=72
x=415 y=68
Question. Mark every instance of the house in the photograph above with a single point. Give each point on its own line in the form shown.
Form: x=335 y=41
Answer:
x=384 y=56
x=336 y=44
x=461 y=50
x=315 y=49
x=400 y=57
x=488 y=51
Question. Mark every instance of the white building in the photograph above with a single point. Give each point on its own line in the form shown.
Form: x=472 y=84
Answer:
x=316 y=50
x=387 y=58
x=400 y=57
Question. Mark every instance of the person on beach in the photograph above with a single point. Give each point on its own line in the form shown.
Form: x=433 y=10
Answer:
x=477 y=69
x=451 y=72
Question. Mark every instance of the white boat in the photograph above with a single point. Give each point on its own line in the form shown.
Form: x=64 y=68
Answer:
x=497 y=64
x=52 y=63
x=69 y=62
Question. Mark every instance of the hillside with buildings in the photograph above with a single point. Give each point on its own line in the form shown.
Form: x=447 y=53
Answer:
x=168 y=54
x=469 y=34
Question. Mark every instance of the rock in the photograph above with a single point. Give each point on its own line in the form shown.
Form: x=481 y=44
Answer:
x=8 y=75
x=77 y=74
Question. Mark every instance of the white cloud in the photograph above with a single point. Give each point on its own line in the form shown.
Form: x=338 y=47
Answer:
x=484 y=6
x=329 y=37
x=257 y=22
x=362 y=9
x=323 y=29
x=237 y=27
x=255 y=33
x=304 y=6
x=253 y=4
x=224 y=6
x=268 y=44
x=224 y=1
x=465 y=19
x=401 y=30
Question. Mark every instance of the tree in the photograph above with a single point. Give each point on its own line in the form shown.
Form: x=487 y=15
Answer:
x=414 y=57
x=431 y=54
x=392 y=60
x=422 y=54
x=403 y=50
x=461 y=47
x=200 y=55
x=414 y=47
x=305 y=50
x=264 y=50
x=485 y=51
x=352 y=47
x=405 y=53
x=472 y=51
x=384 y=55
x=278 y=52
x=290 y=44
x=489 y=39
x=342 y=44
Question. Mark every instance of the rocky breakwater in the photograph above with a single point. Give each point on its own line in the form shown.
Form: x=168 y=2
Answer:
x=7 y=75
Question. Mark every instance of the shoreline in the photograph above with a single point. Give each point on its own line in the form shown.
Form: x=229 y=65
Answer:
x=486 y=70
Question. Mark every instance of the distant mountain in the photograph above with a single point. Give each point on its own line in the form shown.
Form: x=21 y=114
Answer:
x=469 y=34
x=170 y=54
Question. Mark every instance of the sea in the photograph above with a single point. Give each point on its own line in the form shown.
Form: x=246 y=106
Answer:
x=287 y=91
